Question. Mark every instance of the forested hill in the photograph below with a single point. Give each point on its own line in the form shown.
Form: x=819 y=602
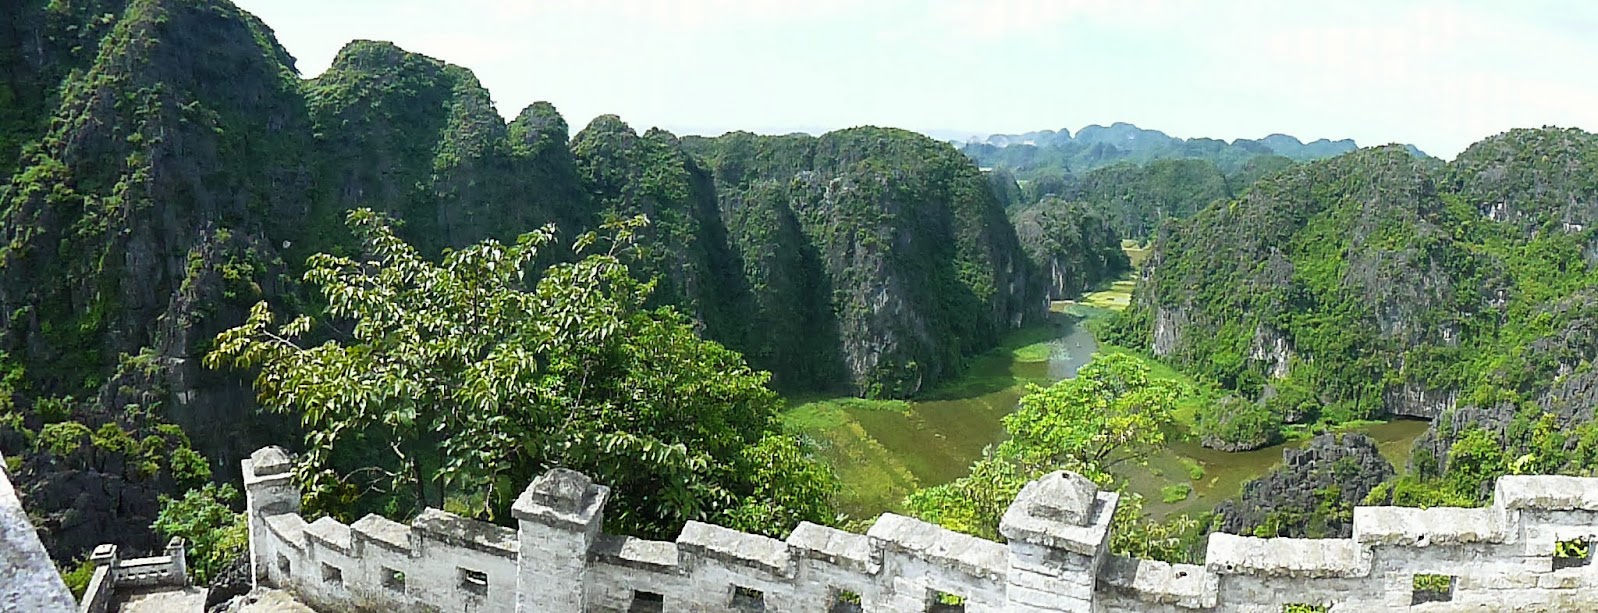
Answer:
x=1138 y=177
x=163 y=167
x=1060 y=152
x=1377 y=284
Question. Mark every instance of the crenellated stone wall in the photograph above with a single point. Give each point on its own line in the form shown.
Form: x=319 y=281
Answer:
x=558 y=560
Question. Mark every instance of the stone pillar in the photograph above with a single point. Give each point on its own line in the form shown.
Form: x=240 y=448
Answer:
x=180 y=561
x=268 y=490
x=558 y=518
x=1057 y=528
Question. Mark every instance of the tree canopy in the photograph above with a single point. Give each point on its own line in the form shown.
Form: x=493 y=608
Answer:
x=460 y=381
x=1111 y=413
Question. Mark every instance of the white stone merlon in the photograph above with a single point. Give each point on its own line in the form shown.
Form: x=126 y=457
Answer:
x=1438 y=526
x=457 y=531
x=1229 y=554
x=966 y=553
x=556 y=559
x=833 y=546
x=1543 y=492
x=733 y=547
x=328 y=532
x=1157 y=582
x=382 y=532
x=654 y=556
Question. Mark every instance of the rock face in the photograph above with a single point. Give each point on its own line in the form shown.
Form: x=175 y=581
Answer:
x=1314 y=492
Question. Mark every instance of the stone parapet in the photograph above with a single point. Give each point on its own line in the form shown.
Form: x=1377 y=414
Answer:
x=558 y=560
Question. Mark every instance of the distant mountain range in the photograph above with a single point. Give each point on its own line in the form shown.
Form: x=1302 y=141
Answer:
x=1132 y=138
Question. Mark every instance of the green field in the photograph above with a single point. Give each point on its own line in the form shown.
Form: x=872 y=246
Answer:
x=882 y=450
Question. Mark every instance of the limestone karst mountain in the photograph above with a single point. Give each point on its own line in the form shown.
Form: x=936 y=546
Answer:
x=1377 y=284
x=163 y=167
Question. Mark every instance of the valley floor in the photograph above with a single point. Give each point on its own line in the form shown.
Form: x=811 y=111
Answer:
x=882 y=450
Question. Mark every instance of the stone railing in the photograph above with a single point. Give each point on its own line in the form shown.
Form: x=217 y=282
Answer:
x=558 y=560
x=111 y=573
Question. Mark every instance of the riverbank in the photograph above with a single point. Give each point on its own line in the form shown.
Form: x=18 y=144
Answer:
x=882 y=450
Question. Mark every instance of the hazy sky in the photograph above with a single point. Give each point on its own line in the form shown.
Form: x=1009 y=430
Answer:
x=1437 y=73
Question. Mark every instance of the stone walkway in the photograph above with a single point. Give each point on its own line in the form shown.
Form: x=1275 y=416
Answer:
x=267 y=600
x=183 y=600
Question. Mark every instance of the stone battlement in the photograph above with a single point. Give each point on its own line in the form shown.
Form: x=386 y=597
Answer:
x=558 y=560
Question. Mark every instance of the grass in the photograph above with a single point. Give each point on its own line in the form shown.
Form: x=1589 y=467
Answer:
x=878 y=448
x=870 y=476
x=1115 y=298
x=1175 y=493
x=820 y=413
x=1137 y=253
x=1029 y=344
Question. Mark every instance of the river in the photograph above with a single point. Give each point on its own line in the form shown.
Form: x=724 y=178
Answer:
x=882 y=451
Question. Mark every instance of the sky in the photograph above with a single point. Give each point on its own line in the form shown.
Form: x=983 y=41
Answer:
x=1439 y=74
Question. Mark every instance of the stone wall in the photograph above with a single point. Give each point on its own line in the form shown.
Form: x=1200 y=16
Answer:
x=112 y=573
x=558 y=560
x=28 y=580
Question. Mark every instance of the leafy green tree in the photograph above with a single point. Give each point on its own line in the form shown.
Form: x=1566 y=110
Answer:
x=1111 y=413
x=472 y=385
x=204 y=517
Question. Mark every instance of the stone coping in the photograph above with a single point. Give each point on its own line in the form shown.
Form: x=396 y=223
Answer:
x=1545 y=492
x=971 y=555
x=834 y=546
x=331 y=533
x=383 y=532
x=1230 y=554
x=1156 y=582
x=458 y=531
x=632 y=552
x=289 y=528
x=1436 y=526
x=731 y=546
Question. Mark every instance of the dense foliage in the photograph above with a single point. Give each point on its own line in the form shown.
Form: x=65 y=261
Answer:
x=214 y=533
x=1074 y=246
x=452 y=381
x=885 y=252
x=163 y=168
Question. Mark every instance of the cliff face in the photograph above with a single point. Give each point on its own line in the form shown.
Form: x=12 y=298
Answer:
x=888 y=251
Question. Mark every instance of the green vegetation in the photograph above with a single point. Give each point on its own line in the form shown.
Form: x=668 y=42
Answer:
x=1176 y=492
x=214 y=533
x=1195 y=471
x=1110 y=414
x=1353 y=269
x=1433 y=583
x=477 y=385
x=1072 y=244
